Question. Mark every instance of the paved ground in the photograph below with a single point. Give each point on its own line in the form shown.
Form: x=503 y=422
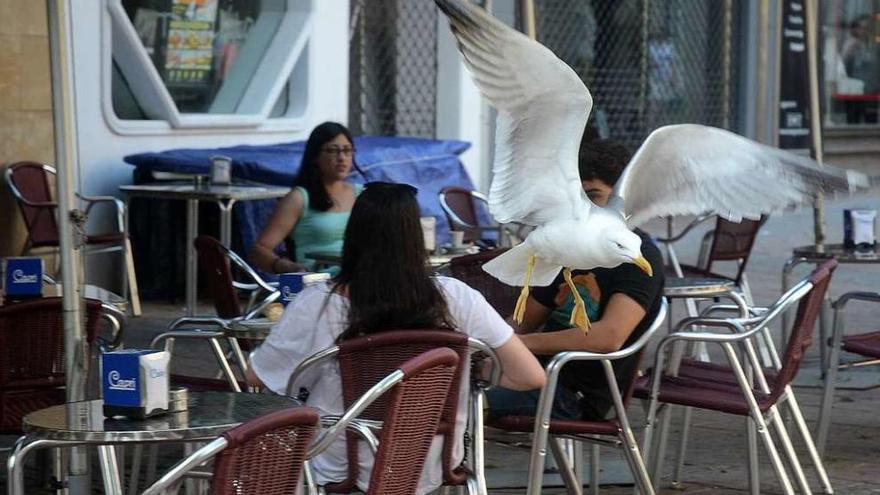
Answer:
x=716 y=460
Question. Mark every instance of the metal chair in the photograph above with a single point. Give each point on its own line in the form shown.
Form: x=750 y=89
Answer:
x=32 y=373
x=460 y=206
x=29 y=183
x=865 y=344
x=728 y=241
x=264 y=456
x=469 y=269
x=216 y=262
x=614 y=432
x=365 y=360
x=744 y=389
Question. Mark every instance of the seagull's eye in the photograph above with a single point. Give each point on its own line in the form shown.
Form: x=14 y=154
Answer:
x=619 y=245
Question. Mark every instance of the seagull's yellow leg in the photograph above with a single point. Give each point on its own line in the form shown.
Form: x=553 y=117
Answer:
x=579 y=314
x=520 y=310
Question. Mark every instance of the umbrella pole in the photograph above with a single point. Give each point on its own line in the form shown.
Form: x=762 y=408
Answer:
x=75 y=351
x=812 y=26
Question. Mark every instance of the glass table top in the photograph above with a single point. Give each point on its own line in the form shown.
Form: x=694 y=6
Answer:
x=208 y=415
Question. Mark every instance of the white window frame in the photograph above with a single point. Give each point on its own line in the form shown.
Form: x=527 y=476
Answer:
x=275 y=69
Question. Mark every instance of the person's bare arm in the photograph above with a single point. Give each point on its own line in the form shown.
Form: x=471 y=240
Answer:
x=621 y=317
x=520 y=369
x=287 y=213
x=250 y=376
x=534 y=318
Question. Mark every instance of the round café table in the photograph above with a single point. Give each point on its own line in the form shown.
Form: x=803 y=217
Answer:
x=208 y=415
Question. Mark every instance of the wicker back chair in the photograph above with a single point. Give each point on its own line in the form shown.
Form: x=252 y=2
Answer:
x=264 y=456
x=469 y=269
x=32 y=356
x=363 y=361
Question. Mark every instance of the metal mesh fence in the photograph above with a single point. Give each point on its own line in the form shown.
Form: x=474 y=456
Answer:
x=647 y=63
x=393 y=71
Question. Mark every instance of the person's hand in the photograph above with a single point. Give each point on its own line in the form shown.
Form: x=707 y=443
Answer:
x=285 y=265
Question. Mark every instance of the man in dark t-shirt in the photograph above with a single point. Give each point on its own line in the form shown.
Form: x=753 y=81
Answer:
x=621 y=303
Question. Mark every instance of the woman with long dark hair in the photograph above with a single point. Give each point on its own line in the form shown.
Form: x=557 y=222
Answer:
x=315 y=212
x=384 y=285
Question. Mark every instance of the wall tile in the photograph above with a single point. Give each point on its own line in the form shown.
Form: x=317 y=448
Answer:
x=36 y=79
x=10 y=77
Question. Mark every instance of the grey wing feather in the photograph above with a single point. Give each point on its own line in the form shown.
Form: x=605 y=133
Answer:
x=542 y=106
x=693 y=169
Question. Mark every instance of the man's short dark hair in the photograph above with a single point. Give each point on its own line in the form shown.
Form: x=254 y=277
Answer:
x=602 y=159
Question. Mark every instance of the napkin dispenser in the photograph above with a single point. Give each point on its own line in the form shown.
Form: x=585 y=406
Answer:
x=859 y=228
x=290 y=284
x=23 y=277
x=135 y=382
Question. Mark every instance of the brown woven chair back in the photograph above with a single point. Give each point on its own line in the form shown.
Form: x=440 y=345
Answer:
x=461 y=202
x=414 y=408
x=363 y=361
x=733 y=241
x=469 y=269
x=265 y=455
x=217 y=272
x=32 y=356
x=33 y=184
x=802 y=330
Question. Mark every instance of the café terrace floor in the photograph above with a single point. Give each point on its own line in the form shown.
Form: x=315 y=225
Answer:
x=716 y=460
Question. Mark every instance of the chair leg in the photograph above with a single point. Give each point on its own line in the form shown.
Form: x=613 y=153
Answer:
x=682 y=446
x=656 y=465
x=647 y=446
x=134 y=477
x=770 y=447
x=635 y=461
x=788 y=450
x=131 y=279
x=224 y=364
x=478 y=442
x=109 y=470
x=594 y=469
x=804 y=431
x=572 y=484
x=754 y=468
x=830 y=382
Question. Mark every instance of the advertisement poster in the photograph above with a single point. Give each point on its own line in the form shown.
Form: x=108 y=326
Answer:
x=794 y=90
x=189 y=52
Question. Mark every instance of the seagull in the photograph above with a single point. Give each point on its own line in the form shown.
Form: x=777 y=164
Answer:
x=683 y=169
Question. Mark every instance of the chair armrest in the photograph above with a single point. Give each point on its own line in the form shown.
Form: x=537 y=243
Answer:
x=191 y=333
x=715 y=308
x=684 y=232
x=354 y=411
x=119 y=206
x=197 y=458
x=115 y=318
x=843 y=300
x=495 y=372
x=199 y=320
x=307 y=363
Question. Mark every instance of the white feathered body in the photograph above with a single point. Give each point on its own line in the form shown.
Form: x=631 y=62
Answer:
x=577 y=242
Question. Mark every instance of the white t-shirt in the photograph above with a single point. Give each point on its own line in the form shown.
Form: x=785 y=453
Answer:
x=314 y=320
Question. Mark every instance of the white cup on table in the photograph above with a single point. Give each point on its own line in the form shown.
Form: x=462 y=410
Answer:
x=457 y=239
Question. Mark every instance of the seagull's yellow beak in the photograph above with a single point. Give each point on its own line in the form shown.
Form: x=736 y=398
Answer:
x=642 y=263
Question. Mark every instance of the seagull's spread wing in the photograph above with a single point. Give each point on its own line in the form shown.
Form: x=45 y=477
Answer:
x=542 y=110
x=694 y=169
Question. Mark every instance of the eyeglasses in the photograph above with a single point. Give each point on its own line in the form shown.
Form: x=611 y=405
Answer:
x=336 y=150
x=391 y=186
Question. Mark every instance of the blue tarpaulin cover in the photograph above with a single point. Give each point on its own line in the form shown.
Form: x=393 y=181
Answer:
x=427 y=164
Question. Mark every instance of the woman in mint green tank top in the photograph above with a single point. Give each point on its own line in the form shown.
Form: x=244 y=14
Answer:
x=314 y=214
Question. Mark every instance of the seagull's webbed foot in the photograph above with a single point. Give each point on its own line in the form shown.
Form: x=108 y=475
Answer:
x=520 y=310
x=579 y=314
